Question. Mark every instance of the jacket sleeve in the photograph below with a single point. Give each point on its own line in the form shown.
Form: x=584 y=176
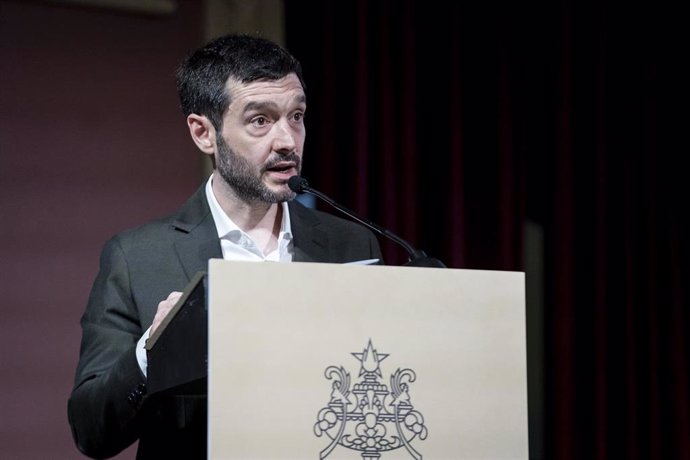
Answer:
x=104 y=407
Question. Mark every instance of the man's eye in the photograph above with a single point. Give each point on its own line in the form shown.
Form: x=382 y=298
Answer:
x=259 y=121
x=299 y=116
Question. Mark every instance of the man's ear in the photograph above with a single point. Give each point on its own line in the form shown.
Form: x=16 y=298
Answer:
x=203 y=133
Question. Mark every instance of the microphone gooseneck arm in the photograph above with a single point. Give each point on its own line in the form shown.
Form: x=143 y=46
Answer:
x=367 y=223
x=417 y=258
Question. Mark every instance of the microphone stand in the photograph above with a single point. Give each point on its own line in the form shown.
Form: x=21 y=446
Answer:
x=417 y=258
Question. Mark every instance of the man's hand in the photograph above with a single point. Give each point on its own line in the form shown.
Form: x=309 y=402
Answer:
x=164 y=308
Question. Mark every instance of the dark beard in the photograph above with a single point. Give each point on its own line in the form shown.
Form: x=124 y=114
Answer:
x=238 y=174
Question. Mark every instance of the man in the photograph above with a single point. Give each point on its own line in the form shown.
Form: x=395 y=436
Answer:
x=244 y=101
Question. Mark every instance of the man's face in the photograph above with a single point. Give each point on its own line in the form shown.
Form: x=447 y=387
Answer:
x=263 y=134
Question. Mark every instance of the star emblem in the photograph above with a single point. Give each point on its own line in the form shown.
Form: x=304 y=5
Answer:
x=370 y=360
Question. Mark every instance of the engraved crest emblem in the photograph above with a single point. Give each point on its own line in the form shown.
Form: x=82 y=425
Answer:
x=368 y=417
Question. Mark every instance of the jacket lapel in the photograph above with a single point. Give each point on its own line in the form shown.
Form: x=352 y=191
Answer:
x=310 y=241
x=198 y=238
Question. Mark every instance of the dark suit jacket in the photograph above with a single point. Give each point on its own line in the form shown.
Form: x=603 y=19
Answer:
x=108 y=408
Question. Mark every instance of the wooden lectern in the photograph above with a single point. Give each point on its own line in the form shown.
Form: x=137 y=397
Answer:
x=327 y=361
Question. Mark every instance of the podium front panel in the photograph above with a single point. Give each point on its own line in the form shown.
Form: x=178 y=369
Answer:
x=350 y=362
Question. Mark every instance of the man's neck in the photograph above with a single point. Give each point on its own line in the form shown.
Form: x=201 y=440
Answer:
x=258 y=219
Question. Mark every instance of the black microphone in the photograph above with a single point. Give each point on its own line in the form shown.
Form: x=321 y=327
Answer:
x=418 y=258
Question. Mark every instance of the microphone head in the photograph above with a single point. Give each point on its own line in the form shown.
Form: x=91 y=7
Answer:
x=298 y=184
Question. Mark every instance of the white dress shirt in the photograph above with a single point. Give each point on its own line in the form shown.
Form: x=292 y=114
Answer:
x=237 y=245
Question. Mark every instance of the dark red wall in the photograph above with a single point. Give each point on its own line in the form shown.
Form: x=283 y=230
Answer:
x=91 y=142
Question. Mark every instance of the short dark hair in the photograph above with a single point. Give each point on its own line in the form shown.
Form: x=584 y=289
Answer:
x=202 y=76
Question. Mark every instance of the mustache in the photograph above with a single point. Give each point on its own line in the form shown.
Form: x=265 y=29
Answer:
x=275 y=160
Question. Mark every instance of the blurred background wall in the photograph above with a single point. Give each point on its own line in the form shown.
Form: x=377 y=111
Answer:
x=92 y=141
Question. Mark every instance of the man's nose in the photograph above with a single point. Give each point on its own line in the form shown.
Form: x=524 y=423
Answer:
x=285 y=140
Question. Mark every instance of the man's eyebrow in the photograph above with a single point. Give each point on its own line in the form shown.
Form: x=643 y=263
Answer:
x=270 y=105
x=259 y=105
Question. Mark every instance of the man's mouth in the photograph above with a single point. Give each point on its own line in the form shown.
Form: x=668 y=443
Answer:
x=282 y=167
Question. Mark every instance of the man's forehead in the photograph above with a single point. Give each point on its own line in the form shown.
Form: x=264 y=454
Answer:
x=286 y=89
